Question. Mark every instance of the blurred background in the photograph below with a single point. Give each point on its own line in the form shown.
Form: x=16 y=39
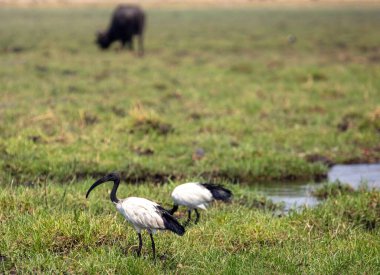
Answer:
x=251 y=93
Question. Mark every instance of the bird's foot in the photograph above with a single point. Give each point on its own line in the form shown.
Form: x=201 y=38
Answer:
x=134 y=249
x=163 y=257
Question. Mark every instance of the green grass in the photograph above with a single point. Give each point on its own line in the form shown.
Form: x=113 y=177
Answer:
x=223 y=82
x=53 y=228
x=333 y=190
x=226 y=81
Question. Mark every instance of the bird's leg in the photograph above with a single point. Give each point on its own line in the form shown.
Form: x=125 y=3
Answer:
x=188 y=218
x=153 y=246
x=174 y=209
x=140 y=245
x=197 y=218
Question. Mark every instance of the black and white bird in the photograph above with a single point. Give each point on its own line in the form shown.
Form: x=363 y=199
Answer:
x=141 y=213
x=195 y=195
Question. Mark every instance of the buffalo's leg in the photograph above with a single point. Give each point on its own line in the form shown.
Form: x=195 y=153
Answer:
x=130 y=45
x=141 y=44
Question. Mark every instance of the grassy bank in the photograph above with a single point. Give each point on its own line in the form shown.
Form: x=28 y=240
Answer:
x=239 y=95
x=223 y=93
x=52 y=228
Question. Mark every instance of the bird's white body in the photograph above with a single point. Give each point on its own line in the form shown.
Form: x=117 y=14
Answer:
x=141 y=213
x=192 y=195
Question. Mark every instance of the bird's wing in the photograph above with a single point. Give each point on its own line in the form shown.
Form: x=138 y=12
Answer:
x=142 y=213
x=191 y=194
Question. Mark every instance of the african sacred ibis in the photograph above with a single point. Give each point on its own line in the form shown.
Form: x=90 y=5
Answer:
x=196 y=195
x=141 y=213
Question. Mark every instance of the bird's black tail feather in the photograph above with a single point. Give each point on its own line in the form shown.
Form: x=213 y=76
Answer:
x=218 y=192
x=170 y=222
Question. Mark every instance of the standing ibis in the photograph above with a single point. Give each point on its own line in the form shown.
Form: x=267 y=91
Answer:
x=196 y=195
x=141 y=213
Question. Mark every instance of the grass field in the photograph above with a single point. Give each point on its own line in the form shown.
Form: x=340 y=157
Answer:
x=53 y=229
x=232 y=95
x=226 y=82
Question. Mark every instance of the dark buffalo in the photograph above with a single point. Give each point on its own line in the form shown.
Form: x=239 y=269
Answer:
x=127 y=21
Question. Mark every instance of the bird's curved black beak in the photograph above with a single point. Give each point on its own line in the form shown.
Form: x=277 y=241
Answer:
x=110 y=177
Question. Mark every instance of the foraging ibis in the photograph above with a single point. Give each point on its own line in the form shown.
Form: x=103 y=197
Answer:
x=141 y=213
x=196 y=196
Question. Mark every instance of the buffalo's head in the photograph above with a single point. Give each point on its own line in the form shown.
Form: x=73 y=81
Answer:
x=102 y=40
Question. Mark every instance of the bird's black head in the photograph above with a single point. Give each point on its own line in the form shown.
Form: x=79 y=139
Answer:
x=115 y=177
x=103 y=40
